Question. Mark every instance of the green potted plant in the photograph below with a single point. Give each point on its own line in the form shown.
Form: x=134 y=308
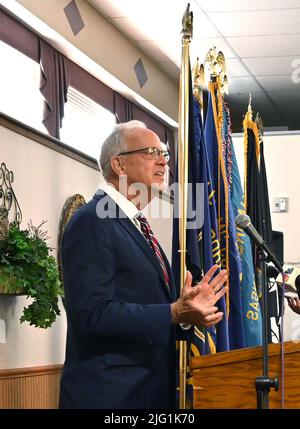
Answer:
x=27 y=267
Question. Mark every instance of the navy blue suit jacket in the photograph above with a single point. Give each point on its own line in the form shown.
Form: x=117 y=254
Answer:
x=120 y=349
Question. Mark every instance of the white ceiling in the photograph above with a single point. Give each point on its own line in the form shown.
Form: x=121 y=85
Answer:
x=259 y=38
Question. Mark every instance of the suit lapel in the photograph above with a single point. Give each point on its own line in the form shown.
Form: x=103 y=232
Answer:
x=170 y=272
x=141 y=241
x=117 y=213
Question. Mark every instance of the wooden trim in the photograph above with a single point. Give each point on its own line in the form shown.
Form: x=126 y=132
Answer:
x=241 y=355
x=230 y=382
x=35 y=387
x=30 y=371
x=46 y=140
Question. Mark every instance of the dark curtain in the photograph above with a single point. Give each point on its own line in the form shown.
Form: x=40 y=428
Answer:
x=55 y=80
x=18 y=36
x=126 y=111
x=90 y=86
x=258 y=207
x=58 y=72
x=253 y=191
x=123 y=109
x=266 y=212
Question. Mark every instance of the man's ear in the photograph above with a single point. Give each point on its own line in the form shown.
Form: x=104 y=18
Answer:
x=117 y=165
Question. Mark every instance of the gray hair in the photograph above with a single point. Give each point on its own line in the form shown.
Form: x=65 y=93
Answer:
x=114 y=144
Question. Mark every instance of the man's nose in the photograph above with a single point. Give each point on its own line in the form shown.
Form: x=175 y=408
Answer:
x=161 y=159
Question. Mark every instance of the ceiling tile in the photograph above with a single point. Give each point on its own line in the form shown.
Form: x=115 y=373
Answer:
x=257 y=22
x=260 y=104
x=290 y=103
x=235 y=68
x=202 y=26
x=261 y=46
x=240 y=85
x=270 y=66
x=200 y=47
x=236 y=5
x=265 y=34
x=278 y=83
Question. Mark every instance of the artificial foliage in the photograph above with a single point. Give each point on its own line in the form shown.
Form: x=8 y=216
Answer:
x=27 y=267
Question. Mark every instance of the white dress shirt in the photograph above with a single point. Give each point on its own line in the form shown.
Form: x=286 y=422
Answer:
x=125 y=205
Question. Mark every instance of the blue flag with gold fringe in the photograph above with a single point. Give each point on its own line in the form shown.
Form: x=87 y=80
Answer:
x=250 y=302
x=217 y=337
x=193 y=257
x=230 y=258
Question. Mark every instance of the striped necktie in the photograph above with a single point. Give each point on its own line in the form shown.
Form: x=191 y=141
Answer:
x=153 y=243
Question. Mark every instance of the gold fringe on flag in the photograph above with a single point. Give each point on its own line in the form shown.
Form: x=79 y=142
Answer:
x=249 y=123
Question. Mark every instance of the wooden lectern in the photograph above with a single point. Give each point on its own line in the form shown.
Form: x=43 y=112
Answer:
x=227 y=379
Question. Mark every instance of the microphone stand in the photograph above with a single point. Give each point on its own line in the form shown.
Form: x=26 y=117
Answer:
x=264 y=383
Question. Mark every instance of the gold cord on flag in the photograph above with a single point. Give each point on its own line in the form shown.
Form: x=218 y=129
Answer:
x=218 y=119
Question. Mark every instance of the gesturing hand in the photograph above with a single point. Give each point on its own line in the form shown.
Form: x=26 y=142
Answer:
x=196 y=304
x=294 y=304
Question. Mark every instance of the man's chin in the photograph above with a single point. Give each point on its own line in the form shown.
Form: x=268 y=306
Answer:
x=158 y=187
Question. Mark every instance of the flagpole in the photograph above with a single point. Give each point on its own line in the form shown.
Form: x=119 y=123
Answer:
x=187 y=29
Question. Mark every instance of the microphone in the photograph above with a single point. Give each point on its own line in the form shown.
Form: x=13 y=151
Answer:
x=243 y=221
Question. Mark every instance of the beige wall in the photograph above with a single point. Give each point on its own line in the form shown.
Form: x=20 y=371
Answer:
x=282 y=154
x=44 y=179
x=110 y=49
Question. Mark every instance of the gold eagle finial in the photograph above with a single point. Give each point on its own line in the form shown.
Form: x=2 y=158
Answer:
x=221 y=61
x=187 y=23
x=249 y=113
x=198 y=81
x=217 y=67
x=260 y=126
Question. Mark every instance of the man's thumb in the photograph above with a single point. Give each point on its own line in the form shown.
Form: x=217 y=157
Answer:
x=188 y=279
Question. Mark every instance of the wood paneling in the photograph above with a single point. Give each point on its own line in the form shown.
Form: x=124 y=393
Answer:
x=227 y=380
x=30 y=387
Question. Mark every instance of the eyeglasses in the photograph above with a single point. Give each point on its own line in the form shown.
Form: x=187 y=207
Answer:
x=152 y=152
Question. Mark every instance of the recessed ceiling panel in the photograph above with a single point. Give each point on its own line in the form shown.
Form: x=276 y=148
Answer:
x=240 y=85
x=259 y=38
x=278 y=83
x=200 y=47
x=290 y=103
x=245 y=5
x=271 y=65
x=268 y=109
x=235 y=68
x=257 y=22
x=203 y=27
x=266 y=46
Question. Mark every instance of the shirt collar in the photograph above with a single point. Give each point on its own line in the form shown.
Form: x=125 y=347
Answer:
x=125 y=205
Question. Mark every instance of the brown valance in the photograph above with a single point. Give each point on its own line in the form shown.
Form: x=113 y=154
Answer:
x=17 y=35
